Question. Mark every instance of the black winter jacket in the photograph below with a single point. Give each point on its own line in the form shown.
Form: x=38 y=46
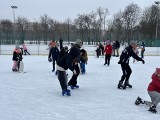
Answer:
x=126 y=54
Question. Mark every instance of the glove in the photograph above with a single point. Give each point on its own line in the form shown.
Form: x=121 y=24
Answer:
x=74 y=72
x=49 y=59
x=119 y=62
x=143 y=61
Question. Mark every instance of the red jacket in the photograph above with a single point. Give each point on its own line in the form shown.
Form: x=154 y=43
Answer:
x=108 y=49
x=155 y=84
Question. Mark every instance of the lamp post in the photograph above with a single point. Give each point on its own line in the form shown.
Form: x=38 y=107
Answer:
x=14 y=19
x=157 y=3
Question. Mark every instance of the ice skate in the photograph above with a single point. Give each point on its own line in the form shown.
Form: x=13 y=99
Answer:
x=139 y=101
x=152 y=109
x=74 y=86
x=120 y=85
x=126 y=84
x=66 y=92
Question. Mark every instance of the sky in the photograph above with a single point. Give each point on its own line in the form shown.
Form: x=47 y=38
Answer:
x=62 y=9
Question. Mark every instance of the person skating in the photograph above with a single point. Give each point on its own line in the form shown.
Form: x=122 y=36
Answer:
x=73 y=81
x=17 y=57
x=153 y=91
x=54 y=52
x=83 y=61
x=124 y=62
x=108 y=52
x=25 y=50
x=63 y=64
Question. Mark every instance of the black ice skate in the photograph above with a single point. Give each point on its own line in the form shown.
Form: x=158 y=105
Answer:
x=126 y=84
x=139 y=101
x=120 y=85
x=152 y=109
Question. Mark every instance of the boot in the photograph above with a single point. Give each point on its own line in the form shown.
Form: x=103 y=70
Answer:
x=120 y=85
x=66 y=92
x=139 y=101
x=126 y=84
x=152 y=109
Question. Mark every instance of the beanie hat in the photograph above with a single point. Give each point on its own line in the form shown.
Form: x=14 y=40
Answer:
x=17 y=47
x=157 y=71
x=133 y=43
x=79 y=42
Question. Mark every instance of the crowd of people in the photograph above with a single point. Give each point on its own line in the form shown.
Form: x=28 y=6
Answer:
x=65 y=58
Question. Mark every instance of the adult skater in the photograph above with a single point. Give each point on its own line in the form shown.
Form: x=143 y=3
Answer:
x=54 y=52
x=153 y=91
x=73 y=81
x=63 y=64
x=124 y=62
x=108 y=52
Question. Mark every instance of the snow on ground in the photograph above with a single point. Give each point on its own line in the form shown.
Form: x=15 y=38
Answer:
x=36 y=95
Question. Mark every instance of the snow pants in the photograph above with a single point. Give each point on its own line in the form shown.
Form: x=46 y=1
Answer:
x=155 y=98
x=62 y=77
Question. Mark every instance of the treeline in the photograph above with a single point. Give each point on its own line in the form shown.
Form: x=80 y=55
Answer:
x=132 y=23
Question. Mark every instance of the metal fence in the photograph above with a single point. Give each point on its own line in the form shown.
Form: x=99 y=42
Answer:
x=43 y=49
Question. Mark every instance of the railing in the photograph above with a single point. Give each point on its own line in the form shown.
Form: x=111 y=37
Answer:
x=43 y=50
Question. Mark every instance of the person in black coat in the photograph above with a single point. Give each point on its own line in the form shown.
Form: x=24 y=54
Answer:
x=66 y=62
x=73 y=81
x=61 y=43
x=63 y=52
x=124 y=62
x=54 y=52
x=117 y=48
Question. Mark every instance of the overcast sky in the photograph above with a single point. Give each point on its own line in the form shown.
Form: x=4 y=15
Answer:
x=62 y=9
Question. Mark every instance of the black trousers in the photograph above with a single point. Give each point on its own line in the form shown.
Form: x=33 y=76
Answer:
x=54 y=61
x=62 y=77
x=73 y=80
x=107 y=59
x=126 y=72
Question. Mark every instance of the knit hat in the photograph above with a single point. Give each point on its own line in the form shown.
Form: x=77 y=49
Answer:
x=17 y=47
x=157 y=71
x=79 y=42
x=133 y=43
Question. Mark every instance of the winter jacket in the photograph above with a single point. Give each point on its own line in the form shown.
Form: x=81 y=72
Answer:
x=117 y=44
x=108 y=49
x=126 y=54
x=84 y=57
x=62 y=53
x=155 y=84
x=54 y=52
x=17 y=55
x=67 y=60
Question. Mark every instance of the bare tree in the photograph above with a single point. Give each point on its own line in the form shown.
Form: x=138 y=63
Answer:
x=131 y=17
x=6 y=29
x=22 y=28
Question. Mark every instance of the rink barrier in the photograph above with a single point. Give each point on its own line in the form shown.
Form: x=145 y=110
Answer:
x=42 y=50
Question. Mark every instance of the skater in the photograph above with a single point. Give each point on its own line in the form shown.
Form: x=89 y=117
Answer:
x=124 y=62
x=108 y=52
x=63 y=52
x=114 y=48
x=63 y=64
x=142 y=50
x=73 y=81
x=83 y=61
x=25 y=50
x=61 y=43
x=117 y=46
x=54 y=52
x=153 y=91
x=17 y=57
x=101 y=48
x=98 y=51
